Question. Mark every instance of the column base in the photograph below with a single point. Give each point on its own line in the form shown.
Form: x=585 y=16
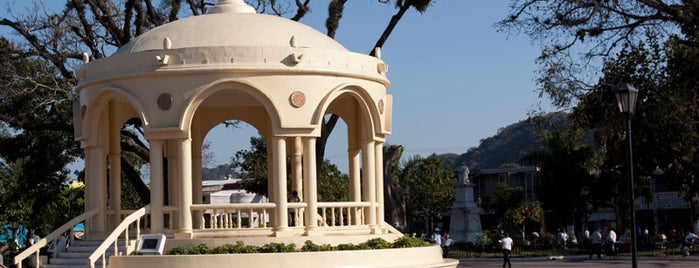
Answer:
x=312 y=231
x=375 y=229
x=282 y=232
x=184 y=234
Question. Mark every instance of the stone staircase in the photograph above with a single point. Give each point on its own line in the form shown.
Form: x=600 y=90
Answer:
x=76 y=255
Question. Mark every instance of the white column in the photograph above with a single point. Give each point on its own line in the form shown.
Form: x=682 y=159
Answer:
x=368 y=183
x=115 y=188
x=173 y=191
x=279 y=178
x=89 y=202
x=156 y=186
x=355 y=175
x=197 y=195
x=297 y=167
x=114 y=166
x=98 y=195
x=270 y=179
x=379 y=182
x=184 y=175
x=311 y=185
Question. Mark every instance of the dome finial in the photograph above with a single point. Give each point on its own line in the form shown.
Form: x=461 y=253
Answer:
x=232 y=6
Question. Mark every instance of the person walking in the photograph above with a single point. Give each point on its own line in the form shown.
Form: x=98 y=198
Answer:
x=506 y=244
x=611 y=242
x=596 y=240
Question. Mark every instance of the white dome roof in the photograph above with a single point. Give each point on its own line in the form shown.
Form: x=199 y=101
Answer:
x=231 y=24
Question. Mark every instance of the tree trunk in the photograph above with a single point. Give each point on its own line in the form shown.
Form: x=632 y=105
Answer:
x=394 y=193
x=135 y=180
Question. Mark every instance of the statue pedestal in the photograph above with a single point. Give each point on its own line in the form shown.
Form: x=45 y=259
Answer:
x=465 y=225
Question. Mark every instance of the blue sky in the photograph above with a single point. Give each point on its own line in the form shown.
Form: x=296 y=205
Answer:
x=455 y=80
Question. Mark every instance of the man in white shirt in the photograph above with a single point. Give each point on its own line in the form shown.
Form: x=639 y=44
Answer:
x=611 y=242
x=436 y=237
x=596 y=240
x=506 y=244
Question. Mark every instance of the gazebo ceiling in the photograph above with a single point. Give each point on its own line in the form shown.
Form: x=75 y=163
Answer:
x=231 y=24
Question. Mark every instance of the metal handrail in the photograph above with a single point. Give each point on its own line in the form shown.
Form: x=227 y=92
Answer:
x=35 y=249
x=112 y=239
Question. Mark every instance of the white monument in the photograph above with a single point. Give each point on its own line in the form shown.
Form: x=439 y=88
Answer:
x=465 y=213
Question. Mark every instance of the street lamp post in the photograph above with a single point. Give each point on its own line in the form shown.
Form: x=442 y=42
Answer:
x=626 y=96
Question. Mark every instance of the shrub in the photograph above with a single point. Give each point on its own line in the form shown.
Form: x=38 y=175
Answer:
x=200 y=249
x=178 y=251
x=278 y=247
x=309 y=246
x=409 y=242
x=349 y=246
x=375 y=243
x=239 y=247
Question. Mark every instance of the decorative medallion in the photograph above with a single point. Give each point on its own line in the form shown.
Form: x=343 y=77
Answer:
x=297 y=99
x=165 y=101
x=381 y=106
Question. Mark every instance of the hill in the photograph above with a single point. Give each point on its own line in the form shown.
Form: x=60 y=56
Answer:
x=508 y=145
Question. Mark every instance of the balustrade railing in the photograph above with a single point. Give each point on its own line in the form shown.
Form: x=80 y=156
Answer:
x=132 y=221
x=233 y=216
x=342 y=213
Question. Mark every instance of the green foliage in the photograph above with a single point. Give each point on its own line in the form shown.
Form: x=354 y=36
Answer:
x=309 y=246
x=200 y=249
x=486 y=239
x=251 y=165
x=409 y=242
x=431 y=190
x=278 y=247
x=513 y=209
x=348 y=246
x=333 y=186
x=239 y=247
x=376 y=243
x=565 y=163
x=179 y=250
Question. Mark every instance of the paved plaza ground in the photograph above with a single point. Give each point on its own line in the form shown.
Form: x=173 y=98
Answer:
x=583 y=261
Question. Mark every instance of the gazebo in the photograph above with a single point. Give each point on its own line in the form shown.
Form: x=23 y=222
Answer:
x=185 y=77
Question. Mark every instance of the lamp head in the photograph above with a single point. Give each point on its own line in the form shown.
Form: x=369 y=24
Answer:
x=626 y=96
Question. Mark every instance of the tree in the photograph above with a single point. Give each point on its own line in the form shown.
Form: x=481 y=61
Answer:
x=251 y=166
x=395 y=191
x=649 y=44
x=591 y=29
x=512 y=209
x=430 y=190
x=562 y=185
x=665 y=121
x=35 y=147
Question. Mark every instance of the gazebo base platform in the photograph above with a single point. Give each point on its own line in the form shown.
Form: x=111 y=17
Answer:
x=430 y=256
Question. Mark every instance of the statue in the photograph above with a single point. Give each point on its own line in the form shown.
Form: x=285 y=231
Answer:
x=466 y=211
